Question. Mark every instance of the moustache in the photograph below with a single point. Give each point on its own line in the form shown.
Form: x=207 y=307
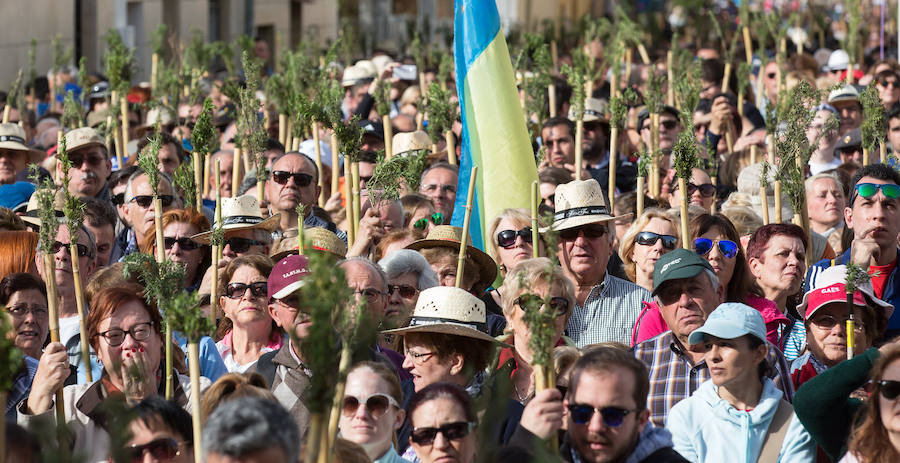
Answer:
x=88 y=176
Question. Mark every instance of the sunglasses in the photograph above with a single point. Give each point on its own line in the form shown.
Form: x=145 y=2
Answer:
x=406 y=292
x=889 y=389
x=612 y=416
x=867 y=190
x=559 y=305
x=162 y=449
x=451 y=431
x=771 y=75
x=184 y=243
x=82 y=249
x=728 y=248
x=590 y=232
x=437 y=218
x=649 y=239
x=237 y=290
x=888 y=83
x=376 y=404
x=78 y=160
x=239 y=245
x=146 y=200
x=302 y=180
x=507 y=238
x=118 y=199
x=667 y=124
x=827 y=322
x=707 y=190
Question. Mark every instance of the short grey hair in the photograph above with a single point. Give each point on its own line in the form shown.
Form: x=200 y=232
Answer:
x=129 y=192
x=249 y=424
x=92 y=240
x=711 y=276
x=408 y=261
x=367 y=263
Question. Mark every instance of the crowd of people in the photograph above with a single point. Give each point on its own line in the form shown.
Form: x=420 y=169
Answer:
x=737 y=338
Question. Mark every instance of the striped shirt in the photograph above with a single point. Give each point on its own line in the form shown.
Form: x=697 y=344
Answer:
x=674 y=377
x=608 y=313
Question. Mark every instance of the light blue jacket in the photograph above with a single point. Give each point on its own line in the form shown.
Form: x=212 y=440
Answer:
x=706 y=428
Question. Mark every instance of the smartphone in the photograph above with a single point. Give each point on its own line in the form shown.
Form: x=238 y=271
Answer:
x=406 y=72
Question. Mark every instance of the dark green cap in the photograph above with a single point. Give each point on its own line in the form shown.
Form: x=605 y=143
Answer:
x=676 y=265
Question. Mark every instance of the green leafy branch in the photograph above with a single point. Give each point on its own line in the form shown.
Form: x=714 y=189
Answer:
x=384 y=183
x=148 y=161
x=792 y=144
x=203 y=135
x=10 y=355
x=71 y=116
x=158 y=40
x=185 y=180
x=184 y=316
x=119 y=62
x=874 y=125
x=441 y=112
x=576 y=78
x=685 y=154
x=856 y=277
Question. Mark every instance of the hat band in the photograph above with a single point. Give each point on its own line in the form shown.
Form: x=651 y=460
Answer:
x=34 y=213
x=424 y=321
x=593 y=113
x=580 y=211
x=241 y=220
x=14 y=138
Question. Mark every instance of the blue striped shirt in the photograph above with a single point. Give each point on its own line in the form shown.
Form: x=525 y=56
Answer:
x=608 y=314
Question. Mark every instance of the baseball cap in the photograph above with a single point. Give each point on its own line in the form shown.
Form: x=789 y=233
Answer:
x=729 y=321
x=677 y=265
x=373 y=128
x=831 y=287
x=287 y=276
x=845 y=93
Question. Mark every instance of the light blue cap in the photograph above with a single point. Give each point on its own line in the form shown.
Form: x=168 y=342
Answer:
x=729 y=321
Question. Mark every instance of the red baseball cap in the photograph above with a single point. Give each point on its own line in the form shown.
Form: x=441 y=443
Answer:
x=287 y=276
x=837 y=292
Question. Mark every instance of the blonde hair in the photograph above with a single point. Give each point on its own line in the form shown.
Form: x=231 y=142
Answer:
x=626 y=248
x=744 y=219
x=520 y=217
x=231 y=386
x=527 y=275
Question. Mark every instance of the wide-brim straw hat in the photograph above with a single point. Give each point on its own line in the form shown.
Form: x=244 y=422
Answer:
x=595 y=109
x=579 y=203
x=12 y=138
x=162 y=114
x=405 y=142
x=31 y=211
x=448 y=310
x=240 y=213
x=316 y=238
x=448 y=236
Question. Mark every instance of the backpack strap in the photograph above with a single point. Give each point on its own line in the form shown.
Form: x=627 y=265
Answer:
x=778 y=428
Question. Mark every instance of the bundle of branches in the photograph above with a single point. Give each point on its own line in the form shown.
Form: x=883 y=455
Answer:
x=393 y=175
x=62 y=57
x=856 y=276
x=72 y=113
x=14 y=98
x=187 y=184
x=687 y=88
x=852 y=41
x=535 y=58
x=203 y=139
x=250 y=126
x=618 y=110
x=199 y=54
x=729 y=47
x=158 y=41
x=441 y=114
x=119 y=70
x=654 y=103
x=84 y=80
x=874 y=125
x=576 y=78
x=629 y=33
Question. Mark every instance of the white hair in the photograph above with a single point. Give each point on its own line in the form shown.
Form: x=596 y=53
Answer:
x=408 y=261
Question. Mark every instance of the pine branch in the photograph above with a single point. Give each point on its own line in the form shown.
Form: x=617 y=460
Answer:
x=685 y=154
x=185 y=180
x=203 y=136
x=441 y=112
x=384 y=184
x=184 y=316
x=119 y=62
x=158 y=39
x=874 y=125
x=148 y=161
x=46 y=197
x=856 y=277
x=71 y=116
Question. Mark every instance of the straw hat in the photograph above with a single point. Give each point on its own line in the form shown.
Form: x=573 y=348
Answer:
x=595 y=109
x=381 y=62
x=97 y=117
x=12 y=138
x=83 y=138
x=448 y=236
x=578 y=203
x=317 y=238
x=162 y=114
x=448 y=310
x=405 y=142
x=354 y=74
x=31 y=211
x=241 y=213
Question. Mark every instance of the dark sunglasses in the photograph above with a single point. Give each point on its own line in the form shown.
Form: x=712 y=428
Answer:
x=888 y=83
x=78 y=160
x=889 y=389
x=437 y=218
x=649 y=239
x=184 y=243
x=559 y=305
x=728 y=248
x=239 y=245
x=146 y=200
x=405 y=291
x=667 y=124
x=302 y=180
x=451 y=431
x=771 y=75
x=118 y=199
x=163 y=449
x=82 y=249
x=376 y=404
x=237 y=290
x=707 y=190
x=612 y=416
x=590 y=232
x=507 y=238
x=867 y=190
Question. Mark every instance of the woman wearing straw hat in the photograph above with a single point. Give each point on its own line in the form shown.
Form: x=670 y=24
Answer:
x=14 y=155
x=246 y=230
x=447 y=341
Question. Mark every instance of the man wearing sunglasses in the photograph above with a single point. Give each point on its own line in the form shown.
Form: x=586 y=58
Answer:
x=608 y=415
x=90 y=163
x=669 y=128
x=294 y=180
x=139 y=207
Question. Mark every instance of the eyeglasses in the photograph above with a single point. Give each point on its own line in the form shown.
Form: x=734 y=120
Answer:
x=707 y=190
x=184 y=243
x=77 y=160
x=827 y=322
x=146 y=200
x=888 y=83
x=406 y=291
x=162 y=449
x=376 y=404
x=139 y=332
x=419 y=358
x=507 y=238
x=302 y=180
x=451 y=431
x=590 y=232
x=649 y=239
x=668 y=124
x=118 y=199
x=239 y=245
x=237 y=290
x=22 y=310
x=433 y=188
x=771 y=75
x=82 y=249
x=559 y=305
x=437 y=218
x=371 y=295
x=612 y=416
x=889 y=389
x=728 y=248
x=867 y=190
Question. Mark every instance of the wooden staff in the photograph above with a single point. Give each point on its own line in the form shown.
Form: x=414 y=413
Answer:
x=551 y=98
x=534 y=219
x=579 y=151
x=343 y=368
x=865 y=156
x=554 y=54
x=348 y=202
x=194 y=365
x=120 y=150
x=79 y=304
x=282 y=129
x=6 y=112
x=388 y=136
x=851 y=326
x=198 y=174
x=160 y=256
x=125 y=125
x=463 y=240
x=882 y=153
x=753 y=153
x=295 y=144
x=318 y=154
x=715 y=183
x=645 y=57
x=216 y=254
x=354 y=172
x=53 y=310
x=335 y=164
x=3 y=397
x=154 y=69
x=236 y=163
x=613 y=160
x=206 y=174
x=628 y=58
x=420 y=121
x=451 y=147
x=748 y=44
x=777 y=184
x=670 y=79
x=289 y=134
x=654 y=156
x=245 y=157
x=682 y=185
x=640 y=196
x=764 y=201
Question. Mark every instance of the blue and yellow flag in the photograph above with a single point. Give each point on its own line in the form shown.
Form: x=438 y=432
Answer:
x=494 y=136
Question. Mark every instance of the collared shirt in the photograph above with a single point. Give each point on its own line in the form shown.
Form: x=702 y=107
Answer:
x=674 y=377
x=21 y=386
x=608 y=313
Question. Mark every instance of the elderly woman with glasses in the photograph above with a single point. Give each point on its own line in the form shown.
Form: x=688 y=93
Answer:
x=651 y=236
x=532 y=283
x=370 y=410
x=248 y=330
x=408 y=273
x=125 y=331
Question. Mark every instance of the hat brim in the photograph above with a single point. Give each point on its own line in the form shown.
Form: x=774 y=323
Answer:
x=487 y=268
x=34 y=156
x=447 y=328
x=289 y=289
x=870 y=301
x=718 y=328
x=574 y=222
x=269 y=224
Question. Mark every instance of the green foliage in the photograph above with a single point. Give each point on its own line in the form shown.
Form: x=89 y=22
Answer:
x=158 y=40
x=728 y=47
x=743 y=77
x=576 y=77
x=382 y=94
x=184 y=316
x=792 y=145
x=854 y=21
x=441 y=112
x=62 y=55
x=644 y=162
x=685 y=154
x=217 y=236
x=535 y=57
x=161 y=280
x=16 y=92
x=540 y=324
x=10 y=355
x=874 y=125
x=84 y=80
x=198 y=54
x=148 y=161
x=251 y=129
x=687 y=91
x=445 y=68
x=73 y=207
x=349 y=136
x=618 y=107
x=203 y=136
x=856 y=276
x=385 y=184
x=119 y=62
x=184 y=179
x=764 y=175
x=46 y=196
x=71 y=116
x=655 y=96
x=32 y=57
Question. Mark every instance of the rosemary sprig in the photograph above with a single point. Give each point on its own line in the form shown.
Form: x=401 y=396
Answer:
x=643 y=164
x=71 y=116
x=186 y=182
x=119 y=62
x=198 y=54
x=253 y=134
x=46 y=196
x=148 y=161
x=203 y=135
x=16 y=92
x=384 y=184
x=382 y=94
x=158 y=39
x=873 y=126
x=793 y=146
x=441 y=112
x=856 y=276
x=575 y=75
